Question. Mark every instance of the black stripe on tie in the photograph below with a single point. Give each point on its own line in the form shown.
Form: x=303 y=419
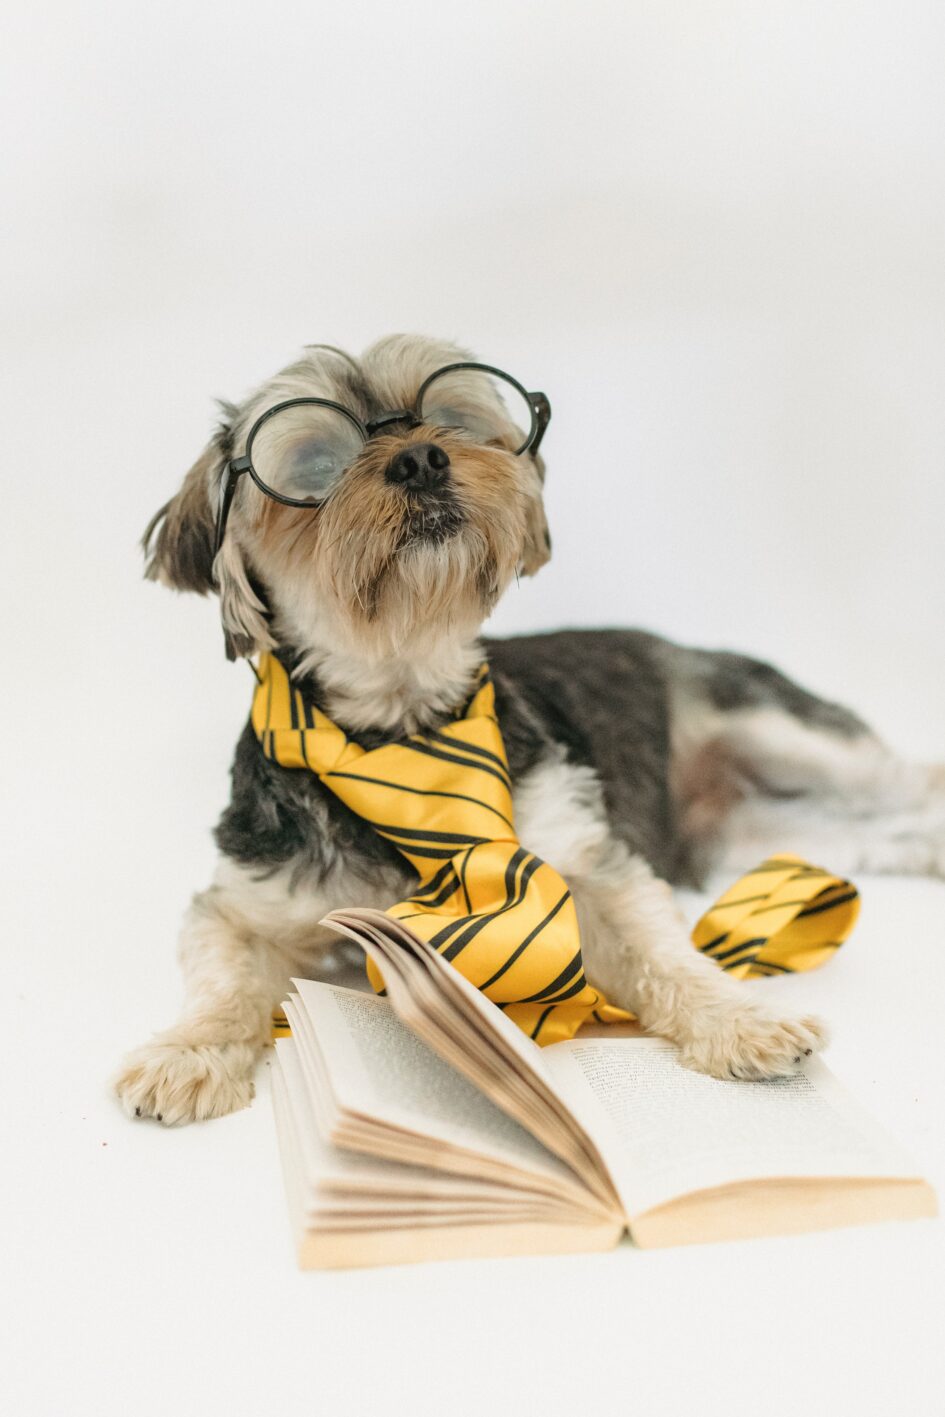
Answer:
x=566 y=973
x=462 y=880
x=433 y=884
x=555 y=983
x=303 y=736
x=537 y=1029
x=422 y=792
x=442 y=896
x=745 y=900
x=784 y=904
x=431 y=853
x=746 y=945
x=719 y=940
x=459 y=746
x=579 y=984
x=293 y=707
x=445 y=874
x=431 y=752
x=828 y=905
x=770 y=964
x=456 y=839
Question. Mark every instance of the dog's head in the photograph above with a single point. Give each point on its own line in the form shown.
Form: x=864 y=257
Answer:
x=411 y=502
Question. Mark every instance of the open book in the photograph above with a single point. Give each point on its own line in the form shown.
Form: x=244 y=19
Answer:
x=425 y=1125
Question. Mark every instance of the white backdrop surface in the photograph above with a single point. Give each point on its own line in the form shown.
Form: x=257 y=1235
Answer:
x=714 y=234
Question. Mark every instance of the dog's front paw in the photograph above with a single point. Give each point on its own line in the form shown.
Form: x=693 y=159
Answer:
x=750 y=1042
x=176 y=1082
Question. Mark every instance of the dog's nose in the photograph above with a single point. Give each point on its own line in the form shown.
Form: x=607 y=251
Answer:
x=422 y=465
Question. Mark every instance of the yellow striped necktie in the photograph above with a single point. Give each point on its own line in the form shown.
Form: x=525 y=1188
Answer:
x=500 y=914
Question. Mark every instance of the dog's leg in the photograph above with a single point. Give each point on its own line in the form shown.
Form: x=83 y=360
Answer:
x=759 y=765
x=241 y=942
x=636 y=944
x=637 y=949
x=765 y=782
x=203 y=1066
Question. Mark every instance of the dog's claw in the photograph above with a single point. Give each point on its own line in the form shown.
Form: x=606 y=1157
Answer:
x=752 y=1044
x=173 y=1083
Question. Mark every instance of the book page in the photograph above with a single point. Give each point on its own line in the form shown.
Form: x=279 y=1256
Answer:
x=666 y=1131
x=378 y=1068
x=470 y=1033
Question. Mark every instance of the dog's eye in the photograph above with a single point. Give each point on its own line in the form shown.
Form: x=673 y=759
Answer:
x=315 y=468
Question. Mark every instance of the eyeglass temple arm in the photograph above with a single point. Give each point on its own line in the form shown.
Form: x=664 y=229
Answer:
x=235 y=469
x=542 y=406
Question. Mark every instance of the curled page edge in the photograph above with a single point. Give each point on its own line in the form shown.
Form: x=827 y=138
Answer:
x=383 y=939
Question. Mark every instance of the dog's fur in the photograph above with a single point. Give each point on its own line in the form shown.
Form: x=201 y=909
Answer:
x=636 y=763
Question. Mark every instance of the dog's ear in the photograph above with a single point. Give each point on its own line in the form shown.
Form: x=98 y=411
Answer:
x=178 y=540
x=536 y=549
x=178 y=546
x=244 y=613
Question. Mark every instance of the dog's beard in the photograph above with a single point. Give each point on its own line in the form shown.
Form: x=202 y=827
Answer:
x=431 y=519
x=426 y=563
x=395 y=567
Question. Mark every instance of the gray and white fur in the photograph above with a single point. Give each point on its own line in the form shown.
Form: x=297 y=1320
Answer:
x=637 y=764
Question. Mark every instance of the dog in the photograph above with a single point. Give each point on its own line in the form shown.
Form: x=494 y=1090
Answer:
x=388 y=503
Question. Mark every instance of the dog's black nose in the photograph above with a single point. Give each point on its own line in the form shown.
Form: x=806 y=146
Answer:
x=422 y=465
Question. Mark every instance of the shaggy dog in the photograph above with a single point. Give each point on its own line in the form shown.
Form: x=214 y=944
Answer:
x=387 y=504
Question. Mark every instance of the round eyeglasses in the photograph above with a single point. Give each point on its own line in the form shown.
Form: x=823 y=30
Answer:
x=298 y=450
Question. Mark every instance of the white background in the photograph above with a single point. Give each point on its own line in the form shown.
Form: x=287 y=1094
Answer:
x=713 y=232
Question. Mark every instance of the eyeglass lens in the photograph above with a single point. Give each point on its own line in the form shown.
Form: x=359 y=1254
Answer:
x=485 y=405
x=302 y=451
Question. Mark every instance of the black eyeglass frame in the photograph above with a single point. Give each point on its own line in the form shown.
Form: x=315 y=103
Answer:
x=538 y=404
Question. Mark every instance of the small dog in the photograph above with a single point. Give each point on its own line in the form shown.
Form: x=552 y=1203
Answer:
x=389 y=503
